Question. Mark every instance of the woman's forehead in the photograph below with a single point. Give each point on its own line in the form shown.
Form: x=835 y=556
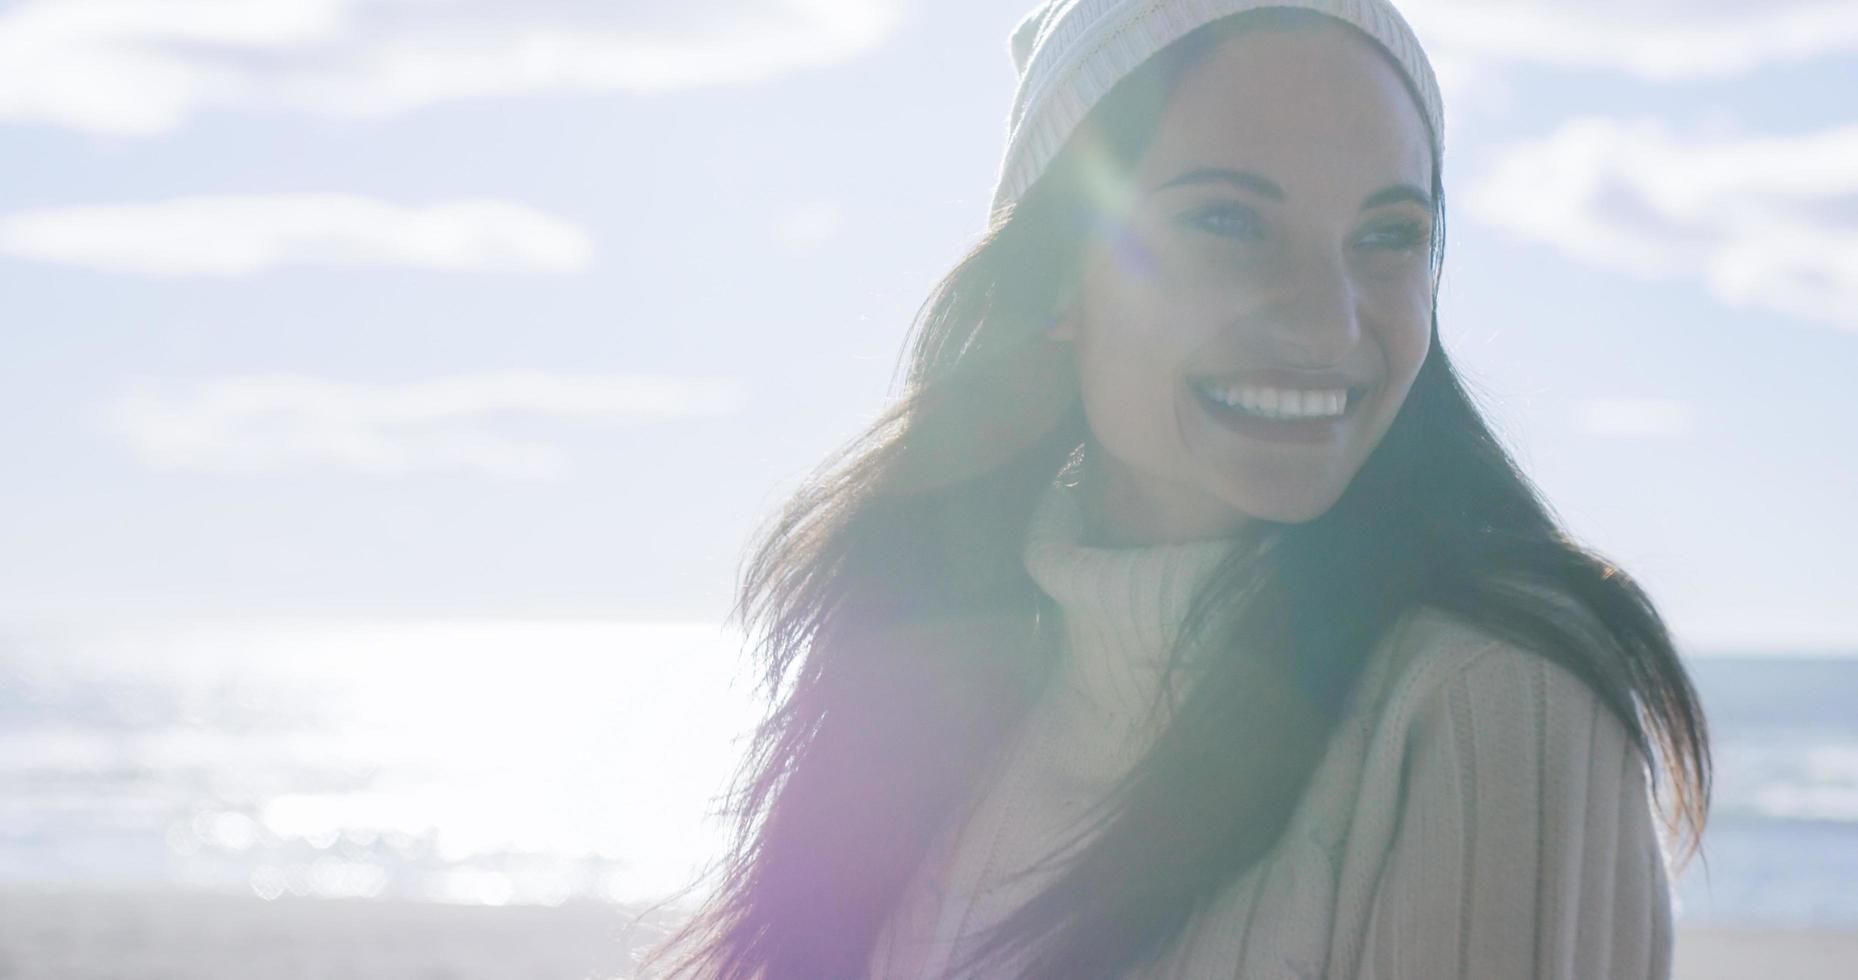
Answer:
x=1313 y=103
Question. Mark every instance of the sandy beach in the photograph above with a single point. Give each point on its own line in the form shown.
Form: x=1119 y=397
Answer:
x=67 y=935
x=48 y=935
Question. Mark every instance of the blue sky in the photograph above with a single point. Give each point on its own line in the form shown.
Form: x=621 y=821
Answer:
x=453 y=308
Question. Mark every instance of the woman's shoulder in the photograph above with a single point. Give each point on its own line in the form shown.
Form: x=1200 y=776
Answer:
x=1438 y=674
x=1426 y=648
x=1504 y=812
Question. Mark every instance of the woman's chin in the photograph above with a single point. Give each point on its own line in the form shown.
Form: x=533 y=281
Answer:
x=1293 y=503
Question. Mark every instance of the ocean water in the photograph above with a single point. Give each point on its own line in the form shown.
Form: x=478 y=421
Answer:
x=1782 y=843
x=477 y=762
x=542 y=762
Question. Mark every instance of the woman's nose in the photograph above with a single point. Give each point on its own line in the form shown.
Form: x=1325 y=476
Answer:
x=1316 y=320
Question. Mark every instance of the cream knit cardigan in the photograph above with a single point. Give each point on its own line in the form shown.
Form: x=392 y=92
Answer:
x=1482 y=815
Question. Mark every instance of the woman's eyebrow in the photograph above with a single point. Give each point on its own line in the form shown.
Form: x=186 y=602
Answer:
x=1396 y=193
x=1265 y=187
x=1256 y=183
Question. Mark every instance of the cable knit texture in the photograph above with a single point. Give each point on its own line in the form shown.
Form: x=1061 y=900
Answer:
x=1479 y=815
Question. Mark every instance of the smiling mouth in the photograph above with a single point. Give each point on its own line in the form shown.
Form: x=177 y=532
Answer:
x=1280 y=404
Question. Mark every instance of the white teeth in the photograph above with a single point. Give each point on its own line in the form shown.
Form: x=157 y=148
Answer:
x=1282 y=403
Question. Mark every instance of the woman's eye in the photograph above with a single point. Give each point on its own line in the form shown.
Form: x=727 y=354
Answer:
x=1227 y=221
x=1401 y=236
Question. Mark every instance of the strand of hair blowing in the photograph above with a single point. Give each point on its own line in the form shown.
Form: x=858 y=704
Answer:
x=898 y=638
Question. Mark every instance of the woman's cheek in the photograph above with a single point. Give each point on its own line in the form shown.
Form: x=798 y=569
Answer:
x=1419 y=334
x=1407 y=331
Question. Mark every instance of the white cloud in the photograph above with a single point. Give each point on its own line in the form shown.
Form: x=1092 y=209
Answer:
x=270 y=422
x=1660 y=40
x=1632 y=418
x=142 y=67
x=231 y=235
x=1764 y=222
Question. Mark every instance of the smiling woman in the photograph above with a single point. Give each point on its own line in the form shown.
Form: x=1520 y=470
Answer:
x=1183 y=618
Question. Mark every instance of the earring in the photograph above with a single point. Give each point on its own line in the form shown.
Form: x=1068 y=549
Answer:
x=1071 y=474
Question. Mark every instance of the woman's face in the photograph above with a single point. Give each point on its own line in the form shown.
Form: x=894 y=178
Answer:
x=1257 y=302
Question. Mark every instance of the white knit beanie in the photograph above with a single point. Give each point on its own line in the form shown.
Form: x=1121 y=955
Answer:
x=1071 y=52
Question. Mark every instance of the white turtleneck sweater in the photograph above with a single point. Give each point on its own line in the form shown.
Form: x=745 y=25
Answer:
x=1480 y=815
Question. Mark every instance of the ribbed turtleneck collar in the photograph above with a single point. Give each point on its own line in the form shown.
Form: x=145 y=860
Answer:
x=1121 y=606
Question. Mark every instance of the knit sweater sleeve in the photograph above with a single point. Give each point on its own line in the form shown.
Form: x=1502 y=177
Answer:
x=1525 y=845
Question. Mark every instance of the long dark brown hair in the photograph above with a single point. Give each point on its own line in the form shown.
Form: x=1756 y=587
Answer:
x=899 y=636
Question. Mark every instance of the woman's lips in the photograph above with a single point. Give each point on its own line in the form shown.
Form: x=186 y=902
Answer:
x=1314 y=424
